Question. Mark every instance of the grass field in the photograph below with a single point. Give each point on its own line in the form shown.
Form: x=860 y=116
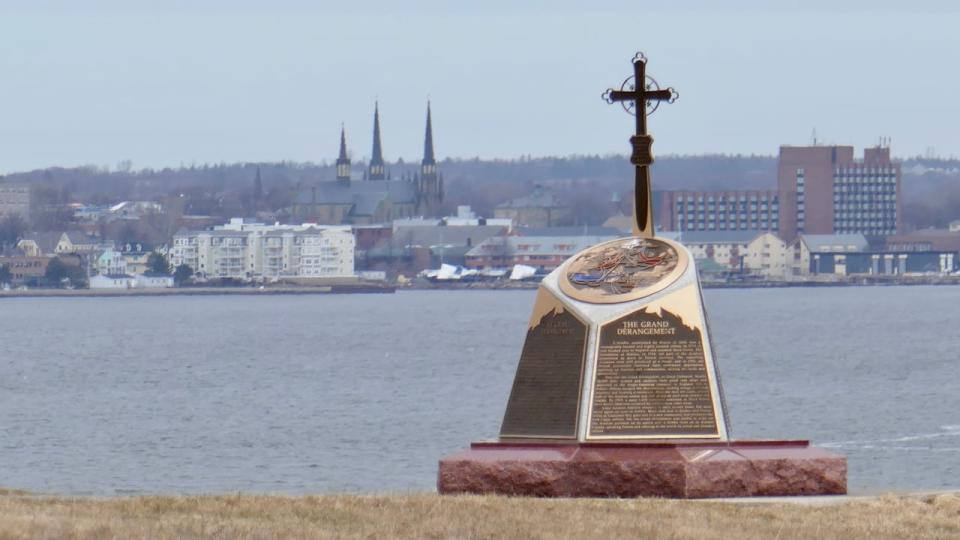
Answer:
x=433 y=516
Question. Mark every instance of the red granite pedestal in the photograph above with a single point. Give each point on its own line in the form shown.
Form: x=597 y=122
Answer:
x=684 y=470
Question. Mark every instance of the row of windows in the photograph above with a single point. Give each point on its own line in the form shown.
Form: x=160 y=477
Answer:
x=723 y=207
x=723 y=218
x=885 y=180
x=724 y=198
x=866 y=189
x=754 y=221
x=22 y=264
x=866 y=217
x=863 y=170
x=844 y=207
x=724 y=227
x=863 y=197
x=869 y=231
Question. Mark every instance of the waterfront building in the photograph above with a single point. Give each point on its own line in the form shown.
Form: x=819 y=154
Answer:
x=378 y=198
x=756 y=210
x=127 y=281
x=14 y=199
x=111 y=262
x=767 y=255
x=811 y=251
x=926 y=240
x=421 y=244
x=24 y=268
x=138 y=255
x=824 y=190
x=245 y=250
x=544 y=253
x=727 y=249
x=542 y=208
x=850 y=254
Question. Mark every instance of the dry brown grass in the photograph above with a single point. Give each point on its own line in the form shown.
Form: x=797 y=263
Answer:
x=432 y=516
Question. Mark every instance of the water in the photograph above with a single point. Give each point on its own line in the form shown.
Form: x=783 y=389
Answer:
x=364 y=393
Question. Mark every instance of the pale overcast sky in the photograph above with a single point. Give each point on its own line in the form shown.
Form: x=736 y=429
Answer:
x=165 y=83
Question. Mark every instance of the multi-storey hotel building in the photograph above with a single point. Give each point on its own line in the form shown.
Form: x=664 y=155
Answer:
x=820 y=190
x=824 y=190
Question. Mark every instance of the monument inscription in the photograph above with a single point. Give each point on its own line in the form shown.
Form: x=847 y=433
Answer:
x=651 y=380
x=545 y=398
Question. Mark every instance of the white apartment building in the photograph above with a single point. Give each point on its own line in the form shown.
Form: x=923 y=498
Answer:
x=244 y=250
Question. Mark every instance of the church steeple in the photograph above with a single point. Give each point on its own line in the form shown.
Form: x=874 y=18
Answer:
x=376 y=160
x=429 y=163
x=429 y=185
x=343 y=162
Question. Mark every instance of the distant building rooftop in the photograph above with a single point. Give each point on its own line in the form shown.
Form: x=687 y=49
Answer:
x=717 y=237
x=584 y=230
x=843 y=243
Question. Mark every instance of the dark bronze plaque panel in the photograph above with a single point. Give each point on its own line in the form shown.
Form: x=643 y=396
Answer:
x=651 y=380
x=545 y=399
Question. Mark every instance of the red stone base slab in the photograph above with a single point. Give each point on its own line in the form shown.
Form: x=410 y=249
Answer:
x=684 y=470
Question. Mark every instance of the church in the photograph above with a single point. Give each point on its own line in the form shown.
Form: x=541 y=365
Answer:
x=377 y=198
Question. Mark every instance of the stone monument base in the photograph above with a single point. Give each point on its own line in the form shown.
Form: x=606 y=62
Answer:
x=683 y=470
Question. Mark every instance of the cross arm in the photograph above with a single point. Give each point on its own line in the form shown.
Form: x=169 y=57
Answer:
x=626 y=95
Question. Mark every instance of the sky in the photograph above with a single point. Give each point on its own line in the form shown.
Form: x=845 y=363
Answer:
x=170 y=83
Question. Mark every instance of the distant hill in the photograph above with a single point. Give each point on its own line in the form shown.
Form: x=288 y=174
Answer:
x=931 y=187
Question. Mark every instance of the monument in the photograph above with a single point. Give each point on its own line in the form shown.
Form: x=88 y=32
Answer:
x=617 y=392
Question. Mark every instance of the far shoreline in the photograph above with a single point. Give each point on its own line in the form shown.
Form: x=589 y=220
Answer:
x=377 y=288
x=198 y=291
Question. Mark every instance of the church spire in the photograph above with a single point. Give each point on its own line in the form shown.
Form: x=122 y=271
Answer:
x=429 y=185
x=376 y=161
x=428 y=157
x=343 y=162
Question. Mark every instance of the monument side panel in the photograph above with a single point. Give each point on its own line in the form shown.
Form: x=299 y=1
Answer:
x=651 y=379
x=545 y=398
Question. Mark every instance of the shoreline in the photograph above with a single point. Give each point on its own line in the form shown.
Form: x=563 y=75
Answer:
x=390 y=289
x=385 y=288
x=854 y=282
x=199 y=291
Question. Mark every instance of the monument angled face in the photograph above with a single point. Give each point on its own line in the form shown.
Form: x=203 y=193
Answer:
x=646 y=368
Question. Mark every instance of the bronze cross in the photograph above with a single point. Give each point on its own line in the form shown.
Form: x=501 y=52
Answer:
x=637 y=94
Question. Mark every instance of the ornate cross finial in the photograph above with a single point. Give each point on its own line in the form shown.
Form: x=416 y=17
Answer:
x=636 y=89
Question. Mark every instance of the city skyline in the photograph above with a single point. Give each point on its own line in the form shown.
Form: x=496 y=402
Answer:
x=238 y=82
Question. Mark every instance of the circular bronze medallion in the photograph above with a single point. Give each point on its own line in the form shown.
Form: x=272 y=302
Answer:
x=622 y=270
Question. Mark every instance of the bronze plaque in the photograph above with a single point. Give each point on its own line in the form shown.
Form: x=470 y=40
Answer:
x=545 y=399
x=622 y=270
x=651 y=379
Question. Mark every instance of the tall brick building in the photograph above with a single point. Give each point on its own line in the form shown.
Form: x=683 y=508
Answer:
x=820 y=190
x=824 y=190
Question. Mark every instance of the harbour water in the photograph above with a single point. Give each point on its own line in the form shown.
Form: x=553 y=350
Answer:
x=364 y=393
